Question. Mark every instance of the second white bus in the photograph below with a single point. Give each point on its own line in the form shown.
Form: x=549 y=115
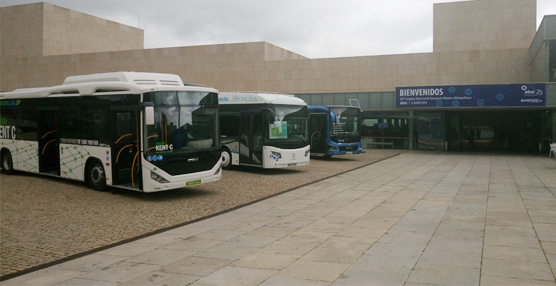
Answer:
x=263 y=129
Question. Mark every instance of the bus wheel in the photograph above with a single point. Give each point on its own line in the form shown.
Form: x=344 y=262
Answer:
x=226 y=159
x=96 y=176
x=7 y=163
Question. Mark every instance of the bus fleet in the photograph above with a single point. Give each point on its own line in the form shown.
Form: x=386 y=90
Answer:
x=150 y=132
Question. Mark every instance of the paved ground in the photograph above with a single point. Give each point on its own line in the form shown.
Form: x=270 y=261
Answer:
x=44 y=220
x=420 y=218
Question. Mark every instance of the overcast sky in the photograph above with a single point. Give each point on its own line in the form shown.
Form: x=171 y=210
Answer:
x=312 y=28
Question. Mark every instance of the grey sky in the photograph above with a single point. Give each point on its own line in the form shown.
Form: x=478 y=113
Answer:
x=312 y=28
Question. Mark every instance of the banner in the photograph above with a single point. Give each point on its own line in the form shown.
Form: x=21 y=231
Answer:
x=454 y=96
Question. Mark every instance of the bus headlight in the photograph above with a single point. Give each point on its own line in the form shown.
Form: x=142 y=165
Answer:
x=333 y=148
x=158 y=178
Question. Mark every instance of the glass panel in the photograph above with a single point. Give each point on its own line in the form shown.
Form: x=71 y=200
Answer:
x=290 y=122
x=181 y=124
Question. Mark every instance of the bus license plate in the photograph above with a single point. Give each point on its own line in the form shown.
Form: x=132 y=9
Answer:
x=292 y=164
x=192 y=183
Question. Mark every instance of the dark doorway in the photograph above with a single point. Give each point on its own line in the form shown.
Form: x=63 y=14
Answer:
x=126 y=166
x=494 y=130
x=49 y=154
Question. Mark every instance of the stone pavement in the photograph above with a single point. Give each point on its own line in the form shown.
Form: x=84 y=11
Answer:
x=421 y=218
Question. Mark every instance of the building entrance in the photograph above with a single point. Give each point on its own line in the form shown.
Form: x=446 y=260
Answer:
x=496 y=131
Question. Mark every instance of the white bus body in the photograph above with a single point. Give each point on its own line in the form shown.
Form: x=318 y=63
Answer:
x=263 y=129
x=113 y=129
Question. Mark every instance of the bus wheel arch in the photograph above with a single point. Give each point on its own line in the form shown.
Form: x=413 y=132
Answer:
x=7 y=161
x=95 y=174
x=226 y=159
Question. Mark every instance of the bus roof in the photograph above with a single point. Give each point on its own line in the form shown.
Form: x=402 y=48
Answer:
x=108 y=83
x=332 y=105
x=258 y=98
x=328 y=108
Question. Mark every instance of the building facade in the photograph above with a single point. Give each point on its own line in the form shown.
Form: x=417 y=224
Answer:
x=476 y=43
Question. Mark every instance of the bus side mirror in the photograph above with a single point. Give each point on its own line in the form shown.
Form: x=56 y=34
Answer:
x=149 y=115
x=270 y=115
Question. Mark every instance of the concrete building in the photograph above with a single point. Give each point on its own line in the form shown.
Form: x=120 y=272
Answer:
x=478 y=45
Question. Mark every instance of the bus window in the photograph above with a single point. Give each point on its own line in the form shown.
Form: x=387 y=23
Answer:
x=97 y=125
x=124 y=127
x=71 y=125
x=229 y=125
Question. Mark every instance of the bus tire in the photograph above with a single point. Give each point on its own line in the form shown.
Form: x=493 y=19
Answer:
x=226 y=159
x=96 y=177
x=7 y=163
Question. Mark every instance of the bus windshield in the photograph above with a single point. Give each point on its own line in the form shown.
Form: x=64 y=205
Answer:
x=185 y=122
x=346 y=121
x=289 y=123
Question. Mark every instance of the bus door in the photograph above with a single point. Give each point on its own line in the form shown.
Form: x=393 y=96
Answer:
x=251 y=138
x=49 y=142
x=318 y=132
x=124 y=143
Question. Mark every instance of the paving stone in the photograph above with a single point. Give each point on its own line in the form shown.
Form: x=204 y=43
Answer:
x=47 y=276
x=497 y=281
x=514 y=253
x=120 y=272
x=196 y=266
x=289 y=247
x=232 y=275
x=89 y=263
x=281 y=281
x=156 y=278
x=355 y=277
x=433 y=258
x=335 y=255
x=226 y=251
x=446 y=275
x=311 y=270
x=160 y=256
x=517 y=269
x=272 y=261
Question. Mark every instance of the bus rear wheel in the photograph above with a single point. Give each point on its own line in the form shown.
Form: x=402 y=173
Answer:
x=7 y=163
x=96 y=176
x=226 y=159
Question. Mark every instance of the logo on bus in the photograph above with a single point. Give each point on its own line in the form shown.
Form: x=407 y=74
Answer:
x=162 y=147
x=155 y=158
x=10 y=102
x=7 y=132
x=275 y=156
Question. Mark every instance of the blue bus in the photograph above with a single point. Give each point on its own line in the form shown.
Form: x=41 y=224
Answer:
x=334 y=130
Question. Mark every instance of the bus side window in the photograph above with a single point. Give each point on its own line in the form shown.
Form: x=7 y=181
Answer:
x=245 y=130
x=258 y=131
x=71 y=123
x=230 y=125
x=97 y=125
x=123 y=127
x=9 y=117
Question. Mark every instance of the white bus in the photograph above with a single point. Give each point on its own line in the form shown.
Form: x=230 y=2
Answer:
x=263 y=129
x=121 y=129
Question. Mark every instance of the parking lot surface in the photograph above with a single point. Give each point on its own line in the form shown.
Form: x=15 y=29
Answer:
x=44 y=220
x=420 y=218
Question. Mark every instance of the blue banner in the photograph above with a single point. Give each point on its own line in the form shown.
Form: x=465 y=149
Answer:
x=454 y=96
